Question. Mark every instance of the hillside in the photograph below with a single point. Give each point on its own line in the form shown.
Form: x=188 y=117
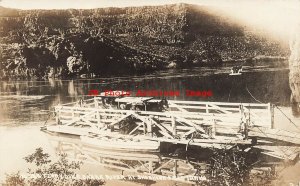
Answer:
x=106 y=41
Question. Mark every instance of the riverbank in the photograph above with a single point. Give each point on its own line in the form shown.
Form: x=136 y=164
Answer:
x=254 y=63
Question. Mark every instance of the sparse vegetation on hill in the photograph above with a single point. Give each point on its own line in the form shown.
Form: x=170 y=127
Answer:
x=67 y=43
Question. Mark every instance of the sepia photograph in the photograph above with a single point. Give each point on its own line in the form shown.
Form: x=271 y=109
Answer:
x=150 y=92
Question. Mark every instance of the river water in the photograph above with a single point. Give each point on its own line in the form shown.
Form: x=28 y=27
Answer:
x=26 y=102
x=25 y=105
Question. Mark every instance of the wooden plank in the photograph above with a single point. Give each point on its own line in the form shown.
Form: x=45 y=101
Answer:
x=193 y=119
x=168 y=114
x=276 y=134
x=68 y=129
x=178 y=107
x=219 y=103
x=215 y=107
x=198 y=128
x=188 y=133
x=79 y=118
x=263 y=106
x=119 y=120
x=281 y=152
x=139 y=125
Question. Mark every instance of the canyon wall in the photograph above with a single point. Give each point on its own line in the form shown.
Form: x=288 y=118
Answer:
x=294 y=66
x=114 y=41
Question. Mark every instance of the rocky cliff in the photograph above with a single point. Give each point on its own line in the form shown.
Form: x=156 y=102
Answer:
x=66 y=43
x=294 y=66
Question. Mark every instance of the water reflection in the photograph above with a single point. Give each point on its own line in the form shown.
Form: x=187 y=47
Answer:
x=71 y=88
x=201 y=167
x=270 y=85
x=139 y=165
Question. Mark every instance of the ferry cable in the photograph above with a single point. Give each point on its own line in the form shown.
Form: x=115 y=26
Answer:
x=229 y=92
x=276 y=145
x=252 y=95
x=284 y=115
x=277 y=108
x=290 y=122
x=287 y=117
x=283 y=151
x=287 y=157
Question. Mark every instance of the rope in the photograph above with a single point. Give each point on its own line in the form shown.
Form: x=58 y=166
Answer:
x=288 y=117
x=229 y=92
x=285 y=154
x=284 y=115
x=276 y=107
x=275 y=145
x=252 y=95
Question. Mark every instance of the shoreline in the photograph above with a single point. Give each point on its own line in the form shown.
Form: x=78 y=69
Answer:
x=275 y=62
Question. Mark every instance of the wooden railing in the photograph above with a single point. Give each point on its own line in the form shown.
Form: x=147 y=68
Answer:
x=183 y=117
x=260 y=114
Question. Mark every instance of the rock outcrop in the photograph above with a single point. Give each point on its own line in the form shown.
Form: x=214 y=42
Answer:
x=105 y=41
x=294 y=66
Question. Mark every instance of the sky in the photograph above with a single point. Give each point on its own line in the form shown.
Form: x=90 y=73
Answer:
x=278 y=17
x=87 y=4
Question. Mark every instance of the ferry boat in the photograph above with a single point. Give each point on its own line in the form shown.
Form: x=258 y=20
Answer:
x=236 y=71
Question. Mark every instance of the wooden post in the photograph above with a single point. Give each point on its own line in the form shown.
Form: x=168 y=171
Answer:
x=96 y=102
x=243 y=119
x=97 y=112
x=149 y=128
x=175 y=169
x=57 y=115
x=98 y=117
x=206 y=105
x=173 y=125
x=73 y=112
x=241 y=112
x=145 y=128
x=213 y=131
x=247 y=124
x=150 y=168
x=271 y=109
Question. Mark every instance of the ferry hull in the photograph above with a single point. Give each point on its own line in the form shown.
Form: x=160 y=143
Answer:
x=121 y=145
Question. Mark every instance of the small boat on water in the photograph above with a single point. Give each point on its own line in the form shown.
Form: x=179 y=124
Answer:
x=236 y=71
x=121 y=143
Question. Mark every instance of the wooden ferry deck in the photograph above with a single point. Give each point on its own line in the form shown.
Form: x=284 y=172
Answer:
x=192 y=123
